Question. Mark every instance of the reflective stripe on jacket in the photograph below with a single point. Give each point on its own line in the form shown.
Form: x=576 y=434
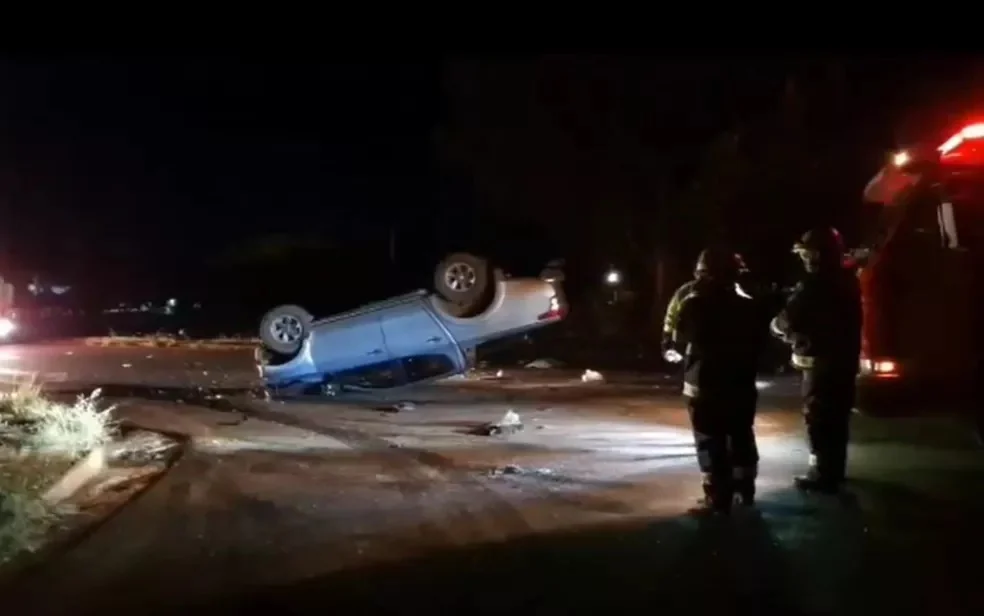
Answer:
x=778 y=328
x=803 y=362
x=672 y=318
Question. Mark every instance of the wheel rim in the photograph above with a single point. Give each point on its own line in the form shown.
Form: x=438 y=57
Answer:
x=286 y=329
x=460 y=277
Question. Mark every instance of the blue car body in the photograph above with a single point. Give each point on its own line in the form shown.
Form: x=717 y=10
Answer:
x=410 y=338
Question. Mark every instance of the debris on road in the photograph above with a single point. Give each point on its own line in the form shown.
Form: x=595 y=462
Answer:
x=165 y=341
x=509 y=469
x=590 y=376
x=399 y=407
x=500 y=374
x=509 y=424
x=512 y=469
x=544 y=364
x=142 y=447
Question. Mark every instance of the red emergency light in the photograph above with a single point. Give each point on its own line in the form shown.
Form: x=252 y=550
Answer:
x=965 y=147
x=960 y=154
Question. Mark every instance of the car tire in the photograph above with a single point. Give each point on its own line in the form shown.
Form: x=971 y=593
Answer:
x=465 y=283
x=283 y=329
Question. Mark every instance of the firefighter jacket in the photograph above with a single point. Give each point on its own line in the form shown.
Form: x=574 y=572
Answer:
x=720 y=334
x=673 y=311
x=821 y=320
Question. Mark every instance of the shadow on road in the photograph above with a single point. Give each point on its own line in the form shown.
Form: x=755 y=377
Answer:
x=671 y=566
x=887 y=548
x=794 y=555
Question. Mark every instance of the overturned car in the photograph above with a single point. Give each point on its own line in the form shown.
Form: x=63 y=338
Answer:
x=416 y=337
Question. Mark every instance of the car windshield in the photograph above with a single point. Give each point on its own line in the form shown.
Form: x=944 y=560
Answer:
x=966 y=193
x=917 y=205
x=888 y=197
x=880 y=220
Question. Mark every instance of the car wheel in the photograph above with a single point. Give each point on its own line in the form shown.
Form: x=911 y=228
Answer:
x=284 y=328
x=465 y=282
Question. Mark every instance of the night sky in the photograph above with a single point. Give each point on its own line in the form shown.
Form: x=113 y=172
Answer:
x=151 y=164
x=141 y=169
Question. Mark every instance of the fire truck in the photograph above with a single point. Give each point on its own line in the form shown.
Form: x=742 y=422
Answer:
x=924 y=223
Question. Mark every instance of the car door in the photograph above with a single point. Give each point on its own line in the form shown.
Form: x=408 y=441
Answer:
x=415 y=337
x=348 y=343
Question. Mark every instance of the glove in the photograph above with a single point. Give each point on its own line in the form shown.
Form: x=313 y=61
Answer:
x=673 y=356
x=776 y=330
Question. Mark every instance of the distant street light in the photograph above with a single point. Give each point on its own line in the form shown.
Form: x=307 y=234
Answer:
x=613 y=278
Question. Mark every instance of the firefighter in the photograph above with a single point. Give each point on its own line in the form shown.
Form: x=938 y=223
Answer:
x=821 y=321
x=715 y=333
x=700 y=272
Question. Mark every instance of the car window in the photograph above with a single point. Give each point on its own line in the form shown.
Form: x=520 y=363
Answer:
x=423 y=367
x=374 y=376
x=966 y=195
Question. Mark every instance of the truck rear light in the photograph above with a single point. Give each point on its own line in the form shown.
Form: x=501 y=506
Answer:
x=557 y=310
x=884 y=366
x=880 y=368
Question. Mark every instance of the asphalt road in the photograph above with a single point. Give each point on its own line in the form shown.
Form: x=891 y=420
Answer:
x=361 y=508
x=73 y=363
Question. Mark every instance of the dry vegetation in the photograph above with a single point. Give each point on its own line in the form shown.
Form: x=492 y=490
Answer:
x=39 y=440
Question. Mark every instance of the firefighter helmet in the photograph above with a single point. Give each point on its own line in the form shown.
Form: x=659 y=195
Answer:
x=718 y=263
x=820 y=246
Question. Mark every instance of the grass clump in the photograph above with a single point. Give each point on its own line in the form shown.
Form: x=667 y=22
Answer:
x=31 y=422
x=24 y=521
x=40 y=439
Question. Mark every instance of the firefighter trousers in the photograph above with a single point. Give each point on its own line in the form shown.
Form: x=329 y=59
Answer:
x=724 y=435
x=828 y=399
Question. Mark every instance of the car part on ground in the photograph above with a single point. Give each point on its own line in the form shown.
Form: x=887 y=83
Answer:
x=284 y=328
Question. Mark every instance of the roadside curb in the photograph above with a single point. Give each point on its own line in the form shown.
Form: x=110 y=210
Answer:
x=157 y=343
x=33 y=562
x=80 y=474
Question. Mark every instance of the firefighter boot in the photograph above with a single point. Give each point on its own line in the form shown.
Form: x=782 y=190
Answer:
x=744 y=485
x=816 y=482
x=718 y=497
x=745 y=491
